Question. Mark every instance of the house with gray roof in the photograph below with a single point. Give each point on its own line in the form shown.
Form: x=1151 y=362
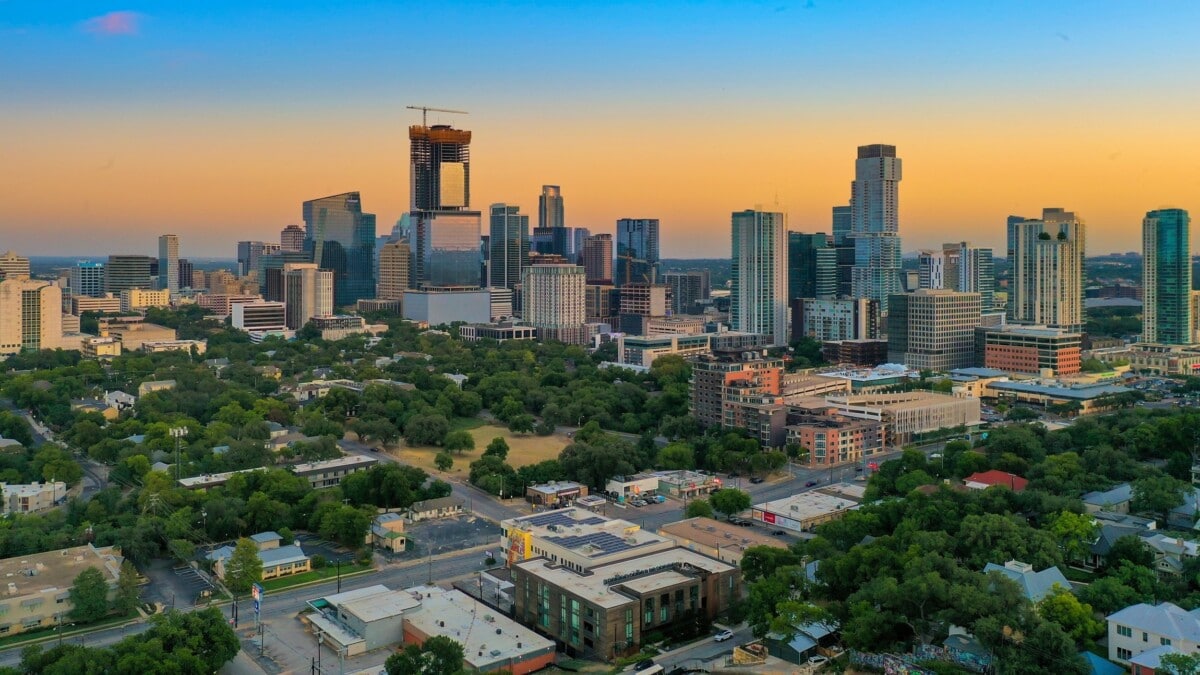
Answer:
x=1186 y=516
x=1034 y=585
x=1115 y=499
x=1170 y=553
x=1141 y=628
x=277 y=561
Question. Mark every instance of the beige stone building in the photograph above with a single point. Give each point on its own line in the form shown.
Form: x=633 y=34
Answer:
x=36 y=589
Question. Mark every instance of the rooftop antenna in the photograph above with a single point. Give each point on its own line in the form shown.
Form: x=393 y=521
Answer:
x=425 y=112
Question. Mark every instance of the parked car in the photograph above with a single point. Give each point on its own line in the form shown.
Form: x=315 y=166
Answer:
x=810 y=483
x=757 y=479
x=817 y=661
x=644 y=664
x=778 y=533
x=723 y=635
x=858 y=469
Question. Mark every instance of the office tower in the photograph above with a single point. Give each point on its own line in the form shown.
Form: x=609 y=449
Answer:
x=87 y=279
x=959 y=266
x=291 y=238
x=578 y=235
x=551 y=241
x=168 y=263
x=269 y=272
x=13 y=265
x=199 y=279
x=1166 y=277
x=641 y=302
x=128 y=271
x=1011 y=239
x=1047 y=274
x=933 y=329
x=835 y=320
x=394 y=259
x=30 y=315
x=812 y=266
x=845 y=269
x=184 y=271
x=307 y=292
x=687 y=290
x=602 y=303
x=341 y=238
x=875 y=224
x=758 y=301
x=251 y=252
x=550 y=207
x=637 y=251
x=446 y=233
x=508 y=246
x=553 y=301
x=841 y=226
x=598 y=258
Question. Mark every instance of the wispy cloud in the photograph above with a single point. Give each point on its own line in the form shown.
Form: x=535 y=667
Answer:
x=114 y=23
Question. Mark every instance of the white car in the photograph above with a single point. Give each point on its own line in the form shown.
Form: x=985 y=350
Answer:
x=723 y=635
x=817 y=661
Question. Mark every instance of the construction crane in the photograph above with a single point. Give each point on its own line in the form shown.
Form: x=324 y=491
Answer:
x=425 y=112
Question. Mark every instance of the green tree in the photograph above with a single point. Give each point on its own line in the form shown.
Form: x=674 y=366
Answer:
x=426 y=429
x=729 y=501
x=182 y=550
x=698 y=508
x=1076 y=618
x=439 y=655
x=458 y=441
x=443 y=461
x=243 y=568
x=1158 y=495
x=521 y=424
x=89 y=596
x=1074 y=532
x=676 y=456
x=498 y=447
x=127 y=590
x=1177 y=663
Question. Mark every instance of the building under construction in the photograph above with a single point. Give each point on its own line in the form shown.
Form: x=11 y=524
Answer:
x=446 y=250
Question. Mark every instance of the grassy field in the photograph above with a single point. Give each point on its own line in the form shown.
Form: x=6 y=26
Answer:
x=522 y=449
x=329 y=572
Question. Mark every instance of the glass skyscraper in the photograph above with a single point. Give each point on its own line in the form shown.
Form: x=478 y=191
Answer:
x=87 y=278
x=550 y=207
x=446 y=246
x=875 y=223
x=758 y=301
x=508 y=246
x=841 y=225
x=341 y=238
x=812 y=266
x=637 y=251
x=1166 y=277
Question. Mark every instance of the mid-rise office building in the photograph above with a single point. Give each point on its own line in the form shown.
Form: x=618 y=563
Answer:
x=222 y=304
x=291 y=238
x=835 y=320
x=249 y=253
x=812 y=266
x=641 y=302
x=842 y=225
x=168 y=263
x=602 y=303
x=508 y=245
x=13 y=265
x=959 y=266
x=637 y=251
x=134 y=299
x=1167 y=277
x=30 y=315
x=875 y=223
x=444 y=306
x=553 y=301
x=87 y=279
x=1033 y=350
x=185 y=270
x=261 y=316
x=715 y=376
x=598 y=259
x=758 y=301
x=394 y=259
x=307 y=292
x=688 y=290
x=550 y=208
x=129 y=271
x=102 y=305
x=39 y=585
x=340 y=237
x=1046 y=287
x=933 y=329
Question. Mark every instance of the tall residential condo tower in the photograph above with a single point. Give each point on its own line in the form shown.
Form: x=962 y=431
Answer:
x=508 y=244
x=1047 y=272
x=959 y=266
x=758 y=302
x=446 y=250
x=1166 y=277
x=168 y=263
x=341 y=238
x=598 y=258
x=637 y=251
x=875 y=223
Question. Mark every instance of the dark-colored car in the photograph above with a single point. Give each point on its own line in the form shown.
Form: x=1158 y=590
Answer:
x=778 y=533
x=858 y=469
x=757 y=479
x=810 y=483
x=644 y=664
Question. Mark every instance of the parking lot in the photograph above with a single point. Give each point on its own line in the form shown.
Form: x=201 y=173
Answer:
x=450 y=534
x=174 y=584
x=315 y=545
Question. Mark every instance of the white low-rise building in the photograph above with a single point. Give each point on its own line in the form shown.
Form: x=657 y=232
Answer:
x=1141 y=628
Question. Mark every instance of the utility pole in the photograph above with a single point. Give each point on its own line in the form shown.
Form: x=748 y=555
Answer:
x=178 y=433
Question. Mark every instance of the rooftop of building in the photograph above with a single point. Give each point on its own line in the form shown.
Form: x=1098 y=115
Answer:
x=1034 y=331
x=487 y=636
x=598 y=585
x=555 y=487
x=996 y=477
x=717 y=533
x=804 y=505
x=1166 y=619
x=585 y=532
x=271 y=556
x=978 y=373
x=374 y=602
x=909 y=400
x=1035 y=585
x=882 y=372
x=1077 y=392
x=346 y=462
x=26 y=574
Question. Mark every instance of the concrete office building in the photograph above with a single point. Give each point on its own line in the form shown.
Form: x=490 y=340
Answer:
x=291 y=238
x=688 y=290
x=597 y=257
x=637 y=251
x=639 y=303
x=437 y=306
x=133 y=299
x=1167 y=277
x=835 y=320
x=758 y=301
x=394 y=259
x=959 y=266
x=221 y=304
x=717 y=539
x=87 y=279
x=875 y=224
x=812 y=266
x=128 y=271
x=13 y=265
x=307 y=292
x=30 y=315
x=908 y=415
x=261 y=316
x=933 y=329
x=553 y=300
x=168 y=263
x=39 y=585
x=1032 y=350
x=102 y=305
x=508 y=245
x=1047 y=272
x=340 y=237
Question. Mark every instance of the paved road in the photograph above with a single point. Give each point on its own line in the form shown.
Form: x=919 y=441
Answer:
x=696 y=654
x=95 y=475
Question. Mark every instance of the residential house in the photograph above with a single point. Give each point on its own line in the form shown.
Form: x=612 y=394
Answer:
x=803 y=643
x=1097 y=665
x=1034 y=585
x=1116 y=499
x=155 y=385
x=387 y=532
x=443 y=507
x=1108 y=535
x=287 y=440
x=986 y=479
x=1170 y=553
x=120 y=400
x=1140 y=628
x=98 y=406
x=277 y=561
x=1186 y=516
x=217 y=364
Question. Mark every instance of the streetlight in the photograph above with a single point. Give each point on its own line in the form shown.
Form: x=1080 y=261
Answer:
x=178 y=433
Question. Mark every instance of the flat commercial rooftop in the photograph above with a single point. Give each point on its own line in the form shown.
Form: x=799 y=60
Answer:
x=806 y=505
x=586 y=533
x=476 y=626
x=713 y=533
x=26 y=574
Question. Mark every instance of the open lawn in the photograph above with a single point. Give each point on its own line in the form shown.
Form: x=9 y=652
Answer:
x=522 y=449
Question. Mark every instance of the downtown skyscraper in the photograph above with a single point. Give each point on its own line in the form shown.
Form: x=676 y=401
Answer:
x=550 y=207
x=637 y=251
x=168 y=263
x=508 y=246
x=758 y=301
x=1047 y=271
x=959 y=266
x=446 y=250
x=341 y=238
x=875 y=223
x=812 y=266
x=1167 y=277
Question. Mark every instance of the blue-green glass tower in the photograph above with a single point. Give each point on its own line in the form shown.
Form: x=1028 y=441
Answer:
x=1166 y=277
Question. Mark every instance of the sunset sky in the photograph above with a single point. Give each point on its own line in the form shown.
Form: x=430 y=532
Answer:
x=214 y=120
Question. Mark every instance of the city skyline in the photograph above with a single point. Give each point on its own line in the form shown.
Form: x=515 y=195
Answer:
x=207 y=123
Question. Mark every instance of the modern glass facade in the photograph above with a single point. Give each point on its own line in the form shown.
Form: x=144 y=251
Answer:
x=841 y=225
x=637 y=251
x=812 y=266
x=508 y=244
x=875 y=223
x=447 y=249
x=87 y=278
x=341 y=238
x=1167 y=277
x=758 y=301
x=550 y=207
